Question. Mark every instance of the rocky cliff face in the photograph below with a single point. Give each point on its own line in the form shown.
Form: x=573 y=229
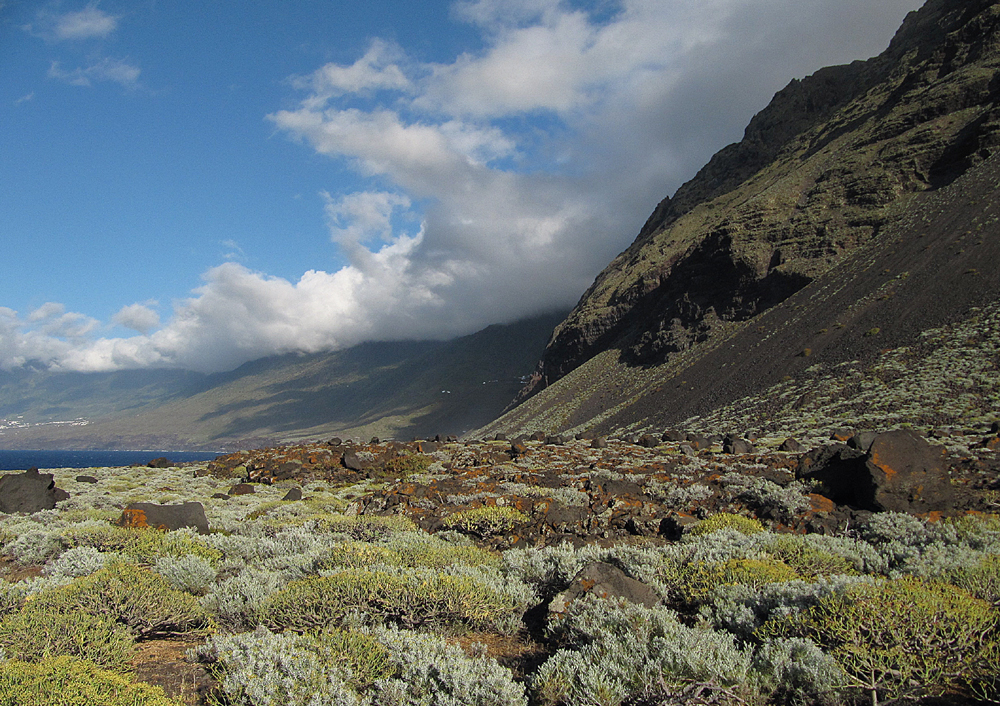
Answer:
x=833 y=161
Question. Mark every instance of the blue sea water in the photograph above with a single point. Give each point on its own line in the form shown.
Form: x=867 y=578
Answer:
x=22 y=460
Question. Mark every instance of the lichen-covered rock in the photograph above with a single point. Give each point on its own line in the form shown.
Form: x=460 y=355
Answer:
x=165 y=517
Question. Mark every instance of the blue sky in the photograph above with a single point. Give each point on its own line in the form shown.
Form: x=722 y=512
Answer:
x=200 y=184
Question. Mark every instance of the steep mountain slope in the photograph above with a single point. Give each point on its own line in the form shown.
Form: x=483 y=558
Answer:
x=849 y=179
x=384 y=389
x=823 y=169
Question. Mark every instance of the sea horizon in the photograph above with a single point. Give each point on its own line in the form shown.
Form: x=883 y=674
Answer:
x=23 y=459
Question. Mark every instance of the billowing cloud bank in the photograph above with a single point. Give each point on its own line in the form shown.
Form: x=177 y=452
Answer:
x=500 y=183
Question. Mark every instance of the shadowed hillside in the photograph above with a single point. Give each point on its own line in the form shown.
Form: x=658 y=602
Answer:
x=851 y=218
x=381 y=389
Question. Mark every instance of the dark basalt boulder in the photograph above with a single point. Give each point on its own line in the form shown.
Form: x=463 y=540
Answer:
x=734 y=445
x=604 y=581
x=242 y=489
x=29 y=492
x=351 y=462
x=86 y=479
x=791 y=445
x=165 y=517
x=293 y=494
x=161 y=462
x=900 y=472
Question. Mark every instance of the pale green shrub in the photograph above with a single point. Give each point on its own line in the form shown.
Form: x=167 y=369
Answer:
x=486 y=521
x=412 y=598
x=34 y=546
x=128 y=594
x=265 y=669
x=727 y=521
x=901 y=638
x=79 y=561
x=65 y=681
x=742 y=609
x=39 y=632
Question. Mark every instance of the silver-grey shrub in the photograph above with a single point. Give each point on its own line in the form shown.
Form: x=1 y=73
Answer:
x=741 y=609
x=797 y=672
x=261 y=668
x=189 y=573
x=434 y=673
x=236 y=601
x=617 y=650
x=79 y=561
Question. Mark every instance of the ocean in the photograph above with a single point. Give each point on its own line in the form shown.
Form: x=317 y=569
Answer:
x=22 y=460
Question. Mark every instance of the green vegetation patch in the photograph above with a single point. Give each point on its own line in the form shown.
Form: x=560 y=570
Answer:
x=726 y=520
x=143 y=544
x=39 y=633
x=901 y=638
x=808 y=561
x=131 y=595
x=65 y=681
x=486 y=521
x=410 y=599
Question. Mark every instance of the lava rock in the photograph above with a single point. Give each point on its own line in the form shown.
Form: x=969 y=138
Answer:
x=735 y=445
x=901 y=472
x=161 y=462
x=604 y=581
x=242 y=489
x=791 y=445
x=351 y=462
x=86 y=479
x=293 y=494
x=29 y=492
x=165 y=517
x=862 y=441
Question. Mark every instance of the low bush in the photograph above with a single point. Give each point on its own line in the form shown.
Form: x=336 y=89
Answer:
x=434 y=673
x=402 y=466
x=79 y=561
x=236 y=602
x=796 y=672
x=410 y=599
x=807 y=560
x=900 y=638
x=260 y=667
x=486 y=521
x=981 y=580
x=66 y=681
x=131 y=595
x=381 y=667
x=698 y=581
x=725 y=520
x=143 y=544
x=407 y=549
x=618 y=651
x=191 y=574
x=37 y=633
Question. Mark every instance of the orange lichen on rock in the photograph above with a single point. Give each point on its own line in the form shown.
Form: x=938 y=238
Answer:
x=133 y=518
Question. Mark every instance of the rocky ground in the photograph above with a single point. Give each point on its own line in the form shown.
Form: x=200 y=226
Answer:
x=546 y=489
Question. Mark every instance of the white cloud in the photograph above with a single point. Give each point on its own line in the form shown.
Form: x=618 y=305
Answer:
x=106 y=69
x=373 y=71
x=88 y=23
x=84 y=24
x=500 y=183
x=138 y=317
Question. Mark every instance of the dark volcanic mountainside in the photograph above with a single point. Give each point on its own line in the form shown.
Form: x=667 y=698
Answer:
x=832 y=162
